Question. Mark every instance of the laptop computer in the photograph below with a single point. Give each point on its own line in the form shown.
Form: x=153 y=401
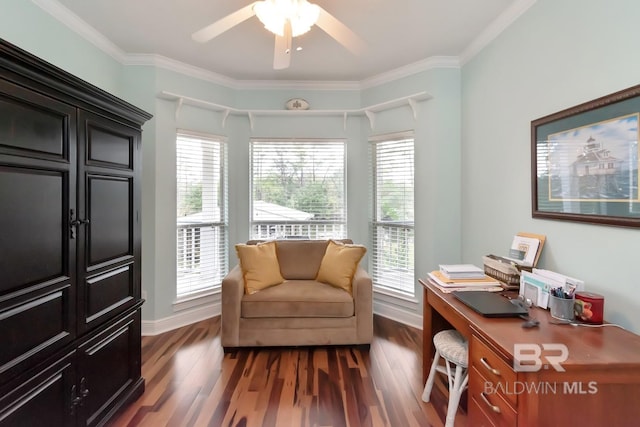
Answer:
x=490 y=304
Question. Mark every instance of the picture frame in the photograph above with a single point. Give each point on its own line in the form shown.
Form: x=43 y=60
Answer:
x=584 y=162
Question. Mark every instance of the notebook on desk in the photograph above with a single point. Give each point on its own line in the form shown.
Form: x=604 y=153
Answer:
x=490 y=304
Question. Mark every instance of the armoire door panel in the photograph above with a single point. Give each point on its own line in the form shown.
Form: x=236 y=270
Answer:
x=43 y=399
x=34 y=125
x=51 y=328
x=109 y=291
x=34 y=239
x=110 y=365
x=109 y=253
x=110 y=214
x=109 y=147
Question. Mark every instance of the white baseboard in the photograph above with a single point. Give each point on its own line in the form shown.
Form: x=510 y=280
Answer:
x=180 y=319
x=396 y=313
x=187 y=317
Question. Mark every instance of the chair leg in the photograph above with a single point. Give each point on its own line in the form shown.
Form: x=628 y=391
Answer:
x=426 y=394
x=456 y=386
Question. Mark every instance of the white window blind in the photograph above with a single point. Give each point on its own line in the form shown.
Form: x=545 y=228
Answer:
x=392 y=226
x=201 y=215
x=298 y=189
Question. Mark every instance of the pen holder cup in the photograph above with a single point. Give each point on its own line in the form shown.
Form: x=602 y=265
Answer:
x=561 y=308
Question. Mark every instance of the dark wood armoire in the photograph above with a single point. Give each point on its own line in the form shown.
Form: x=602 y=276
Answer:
x=69 y=247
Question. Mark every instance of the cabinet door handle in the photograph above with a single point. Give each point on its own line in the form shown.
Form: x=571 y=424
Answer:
x=84 y=391
x=77 y=222
x=73 y=223
x=75 y=400
x=484 y=363
x=494 y=408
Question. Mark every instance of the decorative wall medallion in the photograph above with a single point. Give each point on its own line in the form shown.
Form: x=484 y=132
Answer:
x=297 y=104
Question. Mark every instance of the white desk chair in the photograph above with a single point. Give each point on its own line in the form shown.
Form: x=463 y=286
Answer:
x=454 y=349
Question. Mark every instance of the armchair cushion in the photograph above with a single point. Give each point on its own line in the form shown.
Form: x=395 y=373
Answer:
x=298 y=298
x=339 y=264
x=260 y=267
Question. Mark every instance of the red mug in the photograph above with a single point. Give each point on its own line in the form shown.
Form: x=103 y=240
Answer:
x=589 y=307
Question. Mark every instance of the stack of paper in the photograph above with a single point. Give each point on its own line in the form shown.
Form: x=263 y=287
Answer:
x=461 y=271
x=446 y=284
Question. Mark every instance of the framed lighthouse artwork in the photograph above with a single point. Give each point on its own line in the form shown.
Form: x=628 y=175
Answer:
x=584 y=162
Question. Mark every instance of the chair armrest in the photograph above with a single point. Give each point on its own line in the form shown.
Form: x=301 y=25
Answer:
x=361 y=283
x=232 y=292
x=362 y=288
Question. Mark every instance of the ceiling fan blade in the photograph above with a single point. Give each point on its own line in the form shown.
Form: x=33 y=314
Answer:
x=338 y=31
x=220 y=26
x=282 y=50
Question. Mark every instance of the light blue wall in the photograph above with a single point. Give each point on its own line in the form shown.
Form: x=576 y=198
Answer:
x=138 y=87
x=470 y=200
x=557 y=55
x=275 y=99
x=30 y=28
x=436 y=127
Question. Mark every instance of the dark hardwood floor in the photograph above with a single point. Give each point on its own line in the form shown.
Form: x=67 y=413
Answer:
x=191 y=382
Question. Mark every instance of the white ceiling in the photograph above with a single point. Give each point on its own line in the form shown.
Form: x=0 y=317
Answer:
x=397 y=33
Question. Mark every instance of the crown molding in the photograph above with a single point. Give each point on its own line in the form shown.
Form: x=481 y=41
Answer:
x=76 y=24
x=298 y=84
x=410 y=69
x=494 y=29
x=206 y=75
x=159 y=61
x=79 y=26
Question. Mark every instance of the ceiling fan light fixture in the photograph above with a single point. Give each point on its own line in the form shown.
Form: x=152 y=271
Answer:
x=275 y=13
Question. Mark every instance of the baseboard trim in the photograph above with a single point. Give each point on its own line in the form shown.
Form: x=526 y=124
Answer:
x=398 y=314
x=178 y=320
x=187 y=317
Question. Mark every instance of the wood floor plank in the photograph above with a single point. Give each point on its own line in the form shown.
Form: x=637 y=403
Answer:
x=191 y=382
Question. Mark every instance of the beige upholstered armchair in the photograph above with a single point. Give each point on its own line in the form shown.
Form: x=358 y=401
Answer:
x=300 y=310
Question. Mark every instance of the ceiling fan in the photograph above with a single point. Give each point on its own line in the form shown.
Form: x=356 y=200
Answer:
x=286 y=19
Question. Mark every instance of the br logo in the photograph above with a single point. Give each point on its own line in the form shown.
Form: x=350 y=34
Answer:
x=531 y=357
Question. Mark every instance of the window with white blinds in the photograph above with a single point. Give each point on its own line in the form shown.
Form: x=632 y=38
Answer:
x=298 y=189
x=201 y=215
x=392 y=232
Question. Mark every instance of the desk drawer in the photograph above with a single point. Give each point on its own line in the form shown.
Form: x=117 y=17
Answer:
x=493 y=403
x=477 y=416
x=493 y=368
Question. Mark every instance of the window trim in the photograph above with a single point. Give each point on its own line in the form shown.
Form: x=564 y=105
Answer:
x=201 y=296
x=412 y=297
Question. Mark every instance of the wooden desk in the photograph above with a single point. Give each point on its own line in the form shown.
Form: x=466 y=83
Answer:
x=599 y=387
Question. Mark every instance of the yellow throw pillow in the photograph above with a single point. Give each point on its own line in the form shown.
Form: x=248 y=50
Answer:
x=339 y=264
x=260 y=267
